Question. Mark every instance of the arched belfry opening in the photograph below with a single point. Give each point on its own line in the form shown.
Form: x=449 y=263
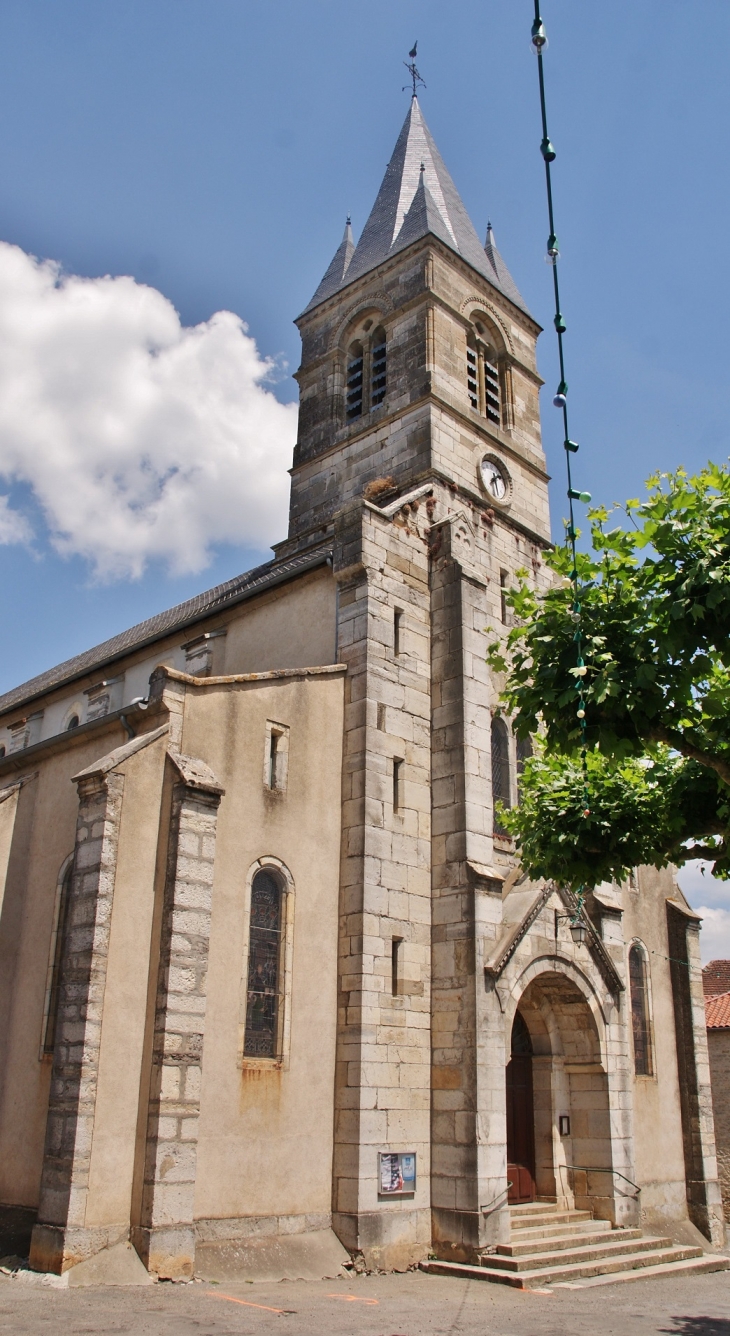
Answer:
x=558 y=1122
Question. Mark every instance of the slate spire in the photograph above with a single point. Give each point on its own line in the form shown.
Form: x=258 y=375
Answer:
x=335 y=275
x=417 y=196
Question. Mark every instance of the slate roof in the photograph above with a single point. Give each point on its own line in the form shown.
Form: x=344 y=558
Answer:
x=417 y=197
x=716 y=977
x=263 y=577
x=717 y=1012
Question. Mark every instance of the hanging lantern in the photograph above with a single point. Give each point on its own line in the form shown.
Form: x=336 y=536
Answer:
x=578 y=932
x=553 y=254
x=547 y=150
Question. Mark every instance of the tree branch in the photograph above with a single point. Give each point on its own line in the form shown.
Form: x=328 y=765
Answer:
x=678 y=742
x=709 y=852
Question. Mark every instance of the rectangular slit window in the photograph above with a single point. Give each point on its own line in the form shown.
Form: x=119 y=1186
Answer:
x=276 y=757
x=395 y=966
x=503 y=578
x=397 y=784
x=397 y=628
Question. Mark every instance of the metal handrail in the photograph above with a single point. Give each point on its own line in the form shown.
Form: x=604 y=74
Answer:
x=601 y=1169
x=491 y=1204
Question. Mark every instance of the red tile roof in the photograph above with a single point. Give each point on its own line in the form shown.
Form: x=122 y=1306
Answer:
x=717 y=1011
x=716 y=977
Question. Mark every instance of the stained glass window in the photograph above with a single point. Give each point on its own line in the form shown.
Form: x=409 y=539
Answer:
x=263 y=1005
x=54 y=998
x=639 y=1012
x=500 y=771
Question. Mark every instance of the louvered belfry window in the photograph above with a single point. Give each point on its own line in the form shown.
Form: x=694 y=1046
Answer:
x=378 y=368
x=491 y=391
x=354 y=382
x=500 y=771
x=264 y=1000
x=472 y=376
x=640 y=1012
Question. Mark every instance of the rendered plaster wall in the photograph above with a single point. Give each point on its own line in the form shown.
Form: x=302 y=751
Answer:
x=659 y=1153
x=290 y=626
x=718 y=1043
x=265 y=1130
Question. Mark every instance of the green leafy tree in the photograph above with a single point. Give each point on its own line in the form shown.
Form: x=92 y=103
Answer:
x=653 y=628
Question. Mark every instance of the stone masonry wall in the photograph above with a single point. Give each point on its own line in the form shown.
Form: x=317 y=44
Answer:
x=60 y=1238
x=718 y=1044
x=165 y=1237
x=383 y=1060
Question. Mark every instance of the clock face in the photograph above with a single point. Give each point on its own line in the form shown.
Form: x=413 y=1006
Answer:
x=494 y=480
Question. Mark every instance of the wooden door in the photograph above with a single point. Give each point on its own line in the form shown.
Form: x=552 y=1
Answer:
x=520 y=1129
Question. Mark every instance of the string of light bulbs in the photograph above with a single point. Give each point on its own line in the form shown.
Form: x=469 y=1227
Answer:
x=539 y=43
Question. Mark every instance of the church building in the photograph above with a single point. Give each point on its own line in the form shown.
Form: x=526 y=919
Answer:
x=269 y=967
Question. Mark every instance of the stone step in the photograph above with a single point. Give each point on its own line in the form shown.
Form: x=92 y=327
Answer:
x=525 y=1280
x=616 y=1245
x=584 y=1238
x=553 y=1217
x=534 y=1207
x=699 y=1265
x=571 y=1229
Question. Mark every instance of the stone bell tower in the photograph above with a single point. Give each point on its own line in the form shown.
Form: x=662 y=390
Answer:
x=419 y=462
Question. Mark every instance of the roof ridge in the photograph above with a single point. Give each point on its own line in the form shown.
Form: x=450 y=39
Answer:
x=161 y=624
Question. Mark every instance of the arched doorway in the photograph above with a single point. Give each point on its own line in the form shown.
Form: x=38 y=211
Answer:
x=558 y=1122
x=520 y=1116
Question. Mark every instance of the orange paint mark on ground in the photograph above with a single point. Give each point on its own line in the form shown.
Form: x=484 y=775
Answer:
x=353 y=1298
x=213 y=1294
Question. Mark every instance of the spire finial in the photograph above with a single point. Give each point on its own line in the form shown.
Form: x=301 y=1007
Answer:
x=411 y=67
x=349 y=221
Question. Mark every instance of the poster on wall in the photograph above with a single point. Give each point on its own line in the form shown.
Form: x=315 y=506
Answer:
x=397 y=1173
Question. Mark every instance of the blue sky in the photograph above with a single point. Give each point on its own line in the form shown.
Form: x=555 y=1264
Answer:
x=212 y=152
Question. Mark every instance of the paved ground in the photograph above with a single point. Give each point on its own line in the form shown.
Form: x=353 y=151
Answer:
x=406 y=1305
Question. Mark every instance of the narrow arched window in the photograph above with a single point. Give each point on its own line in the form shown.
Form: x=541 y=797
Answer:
x=378 y=368
x=354 y=381
x=524 y=752
x=640 y=1011
x=264 y=985
x=53 y=992
x=500 y=771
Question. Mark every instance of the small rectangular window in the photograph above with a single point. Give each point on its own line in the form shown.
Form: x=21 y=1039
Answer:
x=395 y=966
x=503 y=578
x=397 y=784
x=397 y=629
x=276 y=757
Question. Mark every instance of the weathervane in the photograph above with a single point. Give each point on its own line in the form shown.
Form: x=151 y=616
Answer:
x=411 y=67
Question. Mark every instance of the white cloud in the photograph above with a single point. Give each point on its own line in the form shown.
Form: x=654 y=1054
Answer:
x=14 y=527
x=711 y=899
x=140 y=438
x=715 y=934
